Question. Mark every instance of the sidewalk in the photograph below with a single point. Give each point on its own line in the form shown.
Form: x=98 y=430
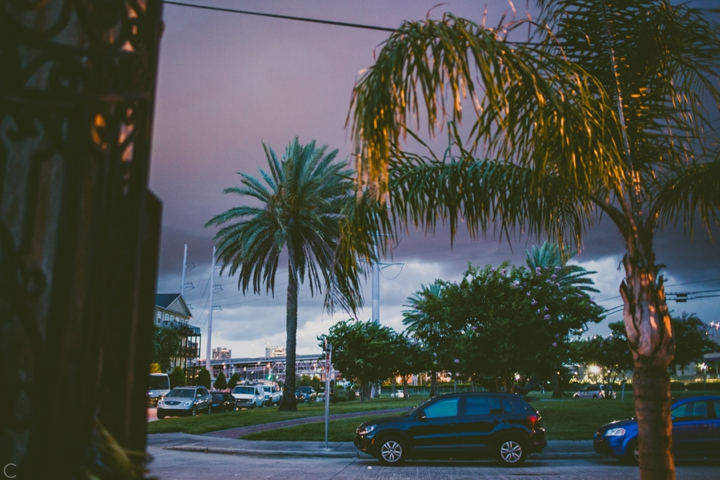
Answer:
x=556 y=449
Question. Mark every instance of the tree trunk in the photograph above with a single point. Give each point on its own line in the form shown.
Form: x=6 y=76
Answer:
x=433 y=385
x=404 y=386
x=289 y=402
x=650 y=337
x=557 y=391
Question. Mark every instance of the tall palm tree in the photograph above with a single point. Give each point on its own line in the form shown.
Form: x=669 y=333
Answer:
x=551 y=255
x=606 y=110
x=423 y=323
x=301 y=203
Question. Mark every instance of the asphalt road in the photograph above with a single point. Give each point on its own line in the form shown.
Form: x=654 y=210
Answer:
x=174 y=465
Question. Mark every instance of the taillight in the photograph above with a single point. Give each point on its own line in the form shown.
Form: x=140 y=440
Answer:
x=534 y=421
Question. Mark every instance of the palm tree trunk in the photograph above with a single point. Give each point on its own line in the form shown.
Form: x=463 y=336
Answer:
x=650 y=337
x=289 y=403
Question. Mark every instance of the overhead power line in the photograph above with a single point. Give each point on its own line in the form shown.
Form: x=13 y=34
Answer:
x=284 y=17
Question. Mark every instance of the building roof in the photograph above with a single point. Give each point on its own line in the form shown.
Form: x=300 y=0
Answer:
x=172 y=302
x=164 y=300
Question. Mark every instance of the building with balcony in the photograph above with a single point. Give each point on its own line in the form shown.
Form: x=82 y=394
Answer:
x=171 y=311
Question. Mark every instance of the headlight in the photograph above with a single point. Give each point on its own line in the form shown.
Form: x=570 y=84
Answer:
x=615 y=432
x=160 y=402
x=187 y=404
x=365 y=430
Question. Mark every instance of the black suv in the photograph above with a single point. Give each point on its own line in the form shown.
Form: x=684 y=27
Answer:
x=457 y=425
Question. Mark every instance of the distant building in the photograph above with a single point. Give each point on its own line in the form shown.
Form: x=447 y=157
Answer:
x=171 y=311
x=221 y=353
x=273 y=352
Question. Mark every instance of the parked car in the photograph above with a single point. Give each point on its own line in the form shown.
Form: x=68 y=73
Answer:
x=223 y=402
x=158 y=387
x=399 y=394
x=695 y=427
x=249 y=396
x=184 y=401
x=596 y=391
x=305 y=394
x=457 y=425
x=273 y=395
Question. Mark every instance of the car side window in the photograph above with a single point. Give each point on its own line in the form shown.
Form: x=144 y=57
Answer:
x=483 y=406
x=691 y=411
x=447 y=407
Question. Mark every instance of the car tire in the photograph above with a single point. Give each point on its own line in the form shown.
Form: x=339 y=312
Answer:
x=594 y=397
x=160 y=416
x=510 y=451
x=193 y=411
x=632 y=453
x=209 y=410
x=391 y=451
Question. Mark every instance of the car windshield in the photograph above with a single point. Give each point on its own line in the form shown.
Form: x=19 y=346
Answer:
x=416 y=408
x=181 y=392
x=159 y=382
x=217 y=396
x=244 y=390
x=267 y=389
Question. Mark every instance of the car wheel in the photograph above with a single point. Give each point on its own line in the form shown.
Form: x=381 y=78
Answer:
x=160 y=416
x=632 y=453
x=595 y=396
x=511 y=451
x=391 y=451
x=193 y=412
x=209 y=409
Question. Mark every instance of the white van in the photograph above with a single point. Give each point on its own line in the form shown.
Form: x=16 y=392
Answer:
x=249 y=396
x=159 y=387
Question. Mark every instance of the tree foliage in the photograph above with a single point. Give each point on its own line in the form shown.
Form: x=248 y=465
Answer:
x=166 y=345
x=362 y=351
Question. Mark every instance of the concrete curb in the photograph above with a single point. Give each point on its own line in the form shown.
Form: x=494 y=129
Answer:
x=269 y=453
x=331 y=453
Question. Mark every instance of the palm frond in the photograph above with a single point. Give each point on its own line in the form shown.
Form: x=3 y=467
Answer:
x=531 y=105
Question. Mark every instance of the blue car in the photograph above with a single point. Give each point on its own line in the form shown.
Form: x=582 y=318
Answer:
x=695 y=429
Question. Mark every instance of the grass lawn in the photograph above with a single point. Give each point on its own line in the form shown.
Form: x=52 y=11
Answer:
x=242 y=418
x=563 y=419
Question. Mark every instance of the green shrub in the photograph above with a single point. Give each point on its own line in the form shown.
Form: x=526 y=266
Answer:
x=220 y=382
x=695 y=386
x=203 y=378
x=177 y=377
x=234 y=380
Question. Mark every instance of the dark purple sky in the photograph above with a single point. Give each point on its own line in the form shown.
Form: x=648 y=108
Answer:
x=228 y=82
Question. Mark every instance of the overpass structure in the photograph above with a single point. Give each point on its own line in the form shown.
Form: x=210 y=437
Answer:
x=264 y=368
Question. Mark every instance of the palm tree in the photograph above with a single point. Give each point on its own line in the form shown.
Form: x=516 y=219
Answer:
x=423 y=323
x=607 y=110
x=551 y=255
x=301 y=203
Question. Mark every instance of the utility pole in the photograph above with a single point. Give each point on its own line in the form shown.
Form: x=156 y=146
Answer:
x=182 y=284
x=209 y=334
x=376 y=287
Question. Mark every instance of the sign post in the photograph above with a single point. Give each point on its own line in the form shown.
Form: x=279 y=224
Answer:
x=328 y=361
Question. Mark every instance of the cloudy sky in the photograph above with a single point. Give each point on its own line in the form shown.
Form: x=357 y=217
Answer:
x=228 y=82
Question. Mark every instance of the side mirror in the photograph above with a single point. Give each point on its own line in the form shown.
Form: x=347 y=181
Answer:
x=421 y=416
